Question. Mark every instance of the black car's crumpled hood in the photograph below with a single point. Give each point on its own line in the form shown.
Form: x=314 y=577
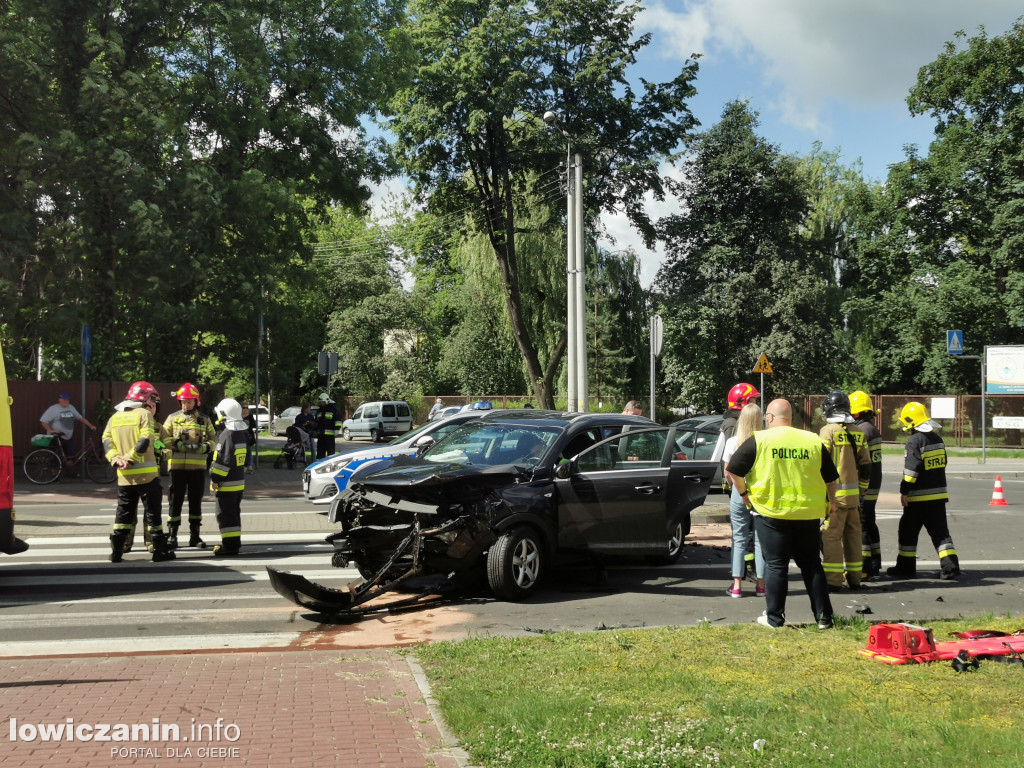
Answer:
x=424 y=486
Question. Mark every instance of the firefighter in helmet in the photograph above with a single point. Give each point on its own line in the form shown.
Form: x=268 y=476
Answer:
x=840 y=537
x=923 y=495
x=227 y=476
x=191 y=437
x=129 y=443
x=864 y=422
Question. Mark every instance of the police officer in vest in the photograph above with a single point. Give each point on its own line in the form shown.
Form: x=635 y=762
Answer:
x=923 y=495
x=789 y=482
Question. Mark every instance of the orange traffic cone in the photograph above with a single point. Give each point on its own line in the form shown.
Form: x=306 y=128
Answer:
x=998 y=500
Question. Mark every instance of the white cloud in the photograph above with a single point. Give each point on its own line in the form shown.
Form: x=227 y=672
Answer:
x=625 y=236
x=809 y=53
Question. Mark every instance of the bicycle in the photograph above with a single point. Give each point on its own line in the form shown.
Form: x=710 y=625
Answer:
x=46 y=465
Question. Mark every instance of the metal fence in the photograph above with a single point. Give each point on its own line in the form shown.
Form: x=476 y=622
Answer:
x=962 y=431
x=32 y=398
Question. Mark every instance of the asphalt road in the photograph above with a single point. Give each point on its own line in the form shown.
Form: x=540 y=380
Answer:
x=63 y=596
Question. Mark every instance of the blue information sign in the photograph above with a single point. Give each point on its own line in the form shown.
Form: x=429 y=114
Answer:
x=86 y=343
x=955 y=342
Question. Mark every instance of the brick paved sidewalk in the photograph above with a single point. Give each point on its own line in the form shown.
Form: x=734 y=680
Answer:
x=294 y=708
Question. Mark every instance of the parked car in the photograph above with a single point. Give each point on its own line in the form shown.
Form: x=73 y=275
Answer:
x=279 y=424
x=325 y=478
x=446 y=412
x=262 y=414
x=509 y=492
x=9 y=543
x=699 y=438
x=377 y=420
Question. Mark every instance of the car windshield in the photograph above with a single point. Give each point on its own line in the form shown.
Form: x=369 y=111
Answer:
x=413 y=432
x=489 y=445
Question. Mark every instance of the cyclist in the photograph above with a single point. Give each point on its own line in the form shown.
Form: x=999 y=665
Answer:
x=59 y=420
x=129 y=442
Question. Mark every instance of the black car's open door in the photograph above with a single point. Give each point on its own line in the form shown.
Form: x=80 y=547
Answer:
x=617 y=496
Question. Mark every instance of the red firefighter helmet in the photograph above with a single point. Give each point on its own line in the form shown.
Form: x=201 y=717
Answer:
x=742 y=394
x=188 y=392
x=141 y=391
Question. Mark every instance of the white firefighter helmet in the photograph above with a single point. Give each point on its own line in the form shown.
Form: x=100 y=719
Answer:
x=325 y=398
x=230 y=410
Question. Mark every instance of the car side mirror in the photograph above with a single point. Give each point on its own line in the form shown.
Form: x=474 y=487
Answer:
x=564 y=470
x=423 y=444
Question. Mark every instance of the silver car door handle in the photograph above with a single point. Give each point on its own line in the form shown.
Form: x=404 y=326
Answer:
x=694 y=478
x=648 y=488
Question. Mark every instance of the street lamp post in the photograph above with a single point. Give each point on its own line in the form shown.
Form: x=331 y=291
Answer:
x=576 y=302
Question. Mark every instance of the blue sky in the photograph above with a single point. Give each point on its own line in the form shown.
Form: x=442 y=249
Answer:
x=834 y=71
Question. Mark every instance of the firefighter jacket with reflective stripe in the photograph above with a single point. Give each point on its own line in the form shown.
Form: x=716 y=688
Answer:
x=849 y=453
x=924 y=468
x=196 y=436
x=328 y=420
x=785 y=480
x=131 y=435
x=873 y=438
x=229 y=459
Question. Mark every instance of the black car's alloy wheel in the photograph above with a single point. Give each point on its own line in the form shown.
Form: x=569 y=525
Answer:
x=515 y=564
x=676 y=540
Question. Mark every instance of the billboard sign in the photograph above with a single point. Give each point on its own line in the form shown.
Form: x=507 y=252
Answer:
x=1004 y=370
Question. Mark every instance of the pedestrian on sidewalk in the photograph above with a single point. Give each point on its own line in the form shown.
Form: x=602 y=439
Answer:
x=742 y=522
x=227 y=476
x=129 y=441
x=250 y=436
x=789 y=482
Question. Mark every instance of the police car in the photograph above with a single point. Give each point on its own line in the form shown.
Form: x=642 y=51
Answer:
x=324 y=479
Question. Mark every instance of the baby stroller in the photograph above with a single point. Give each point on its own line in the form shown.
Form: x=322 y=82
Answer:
x=296 y=444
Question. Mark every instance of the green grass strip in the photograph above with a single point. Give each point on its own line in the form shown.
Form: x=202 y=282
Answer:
x=737 y=695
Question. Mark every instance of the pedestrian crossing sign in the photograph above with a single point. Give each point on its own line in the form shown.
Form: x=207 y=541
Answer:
x=763 y=366
x=955 y=342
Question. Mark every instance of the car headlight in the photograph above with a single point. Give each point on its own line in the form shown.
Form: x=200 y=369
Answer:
x=330 y=467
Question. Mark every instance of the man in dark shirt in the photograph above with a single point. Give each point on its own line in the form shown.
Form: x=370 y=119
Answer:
x=788 y=480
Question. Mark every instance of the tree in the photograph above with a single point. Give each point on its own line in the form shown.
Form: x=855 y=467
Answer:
x=371 y=323
x=468 y=134
x=737 y=279
x=942 y=246
x=160 y=161
x=617 y=331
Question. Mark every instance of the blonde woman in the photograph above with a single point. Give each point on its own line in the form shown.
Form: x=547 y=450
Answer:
x=750 y=421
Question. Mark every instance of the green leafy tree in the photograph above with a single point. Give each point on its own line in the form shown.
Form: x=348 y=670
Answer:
x=468 y=132
x=160 y=159
x=371 y=324
x=942 y=245
x=738 y=280
x=618 y=353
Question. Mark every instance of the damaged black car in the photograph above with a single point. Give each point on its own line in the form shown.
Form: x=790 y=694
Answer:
x=506 y=494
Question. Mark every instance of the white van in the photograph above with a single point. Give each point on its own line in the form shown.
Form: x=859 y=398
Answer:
x=377 y=420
